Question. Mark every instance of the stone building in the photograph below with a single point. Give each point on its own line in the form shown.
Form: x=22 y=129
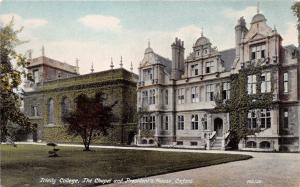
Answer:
x=177 y=97
x=56 y=84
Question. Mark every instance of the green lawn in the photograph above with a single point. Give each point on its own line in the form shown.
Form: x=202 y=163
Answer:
x=27 y=164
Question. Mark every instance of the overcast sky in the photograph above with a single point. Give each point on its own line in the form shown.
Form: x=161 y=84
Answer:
x=96 y=31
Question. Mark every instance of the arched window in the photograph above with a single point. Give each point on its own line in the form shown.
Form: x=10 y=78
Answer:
x=265 y=145
x=50 y=111
x=151 y=141
x=251 y=144
x=65 y=106
x=144 y=141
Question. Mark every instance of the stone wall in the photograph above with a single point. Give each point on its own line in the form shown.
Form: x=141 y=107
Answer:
x=117 y=86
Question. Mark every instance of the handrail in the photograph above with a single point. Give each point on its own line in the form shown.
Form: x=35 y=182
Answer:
x=226 y=135
x=213 y=134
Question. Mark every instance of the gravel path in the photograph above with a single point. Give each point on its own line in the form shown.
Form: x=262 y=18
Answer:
x=265 y=169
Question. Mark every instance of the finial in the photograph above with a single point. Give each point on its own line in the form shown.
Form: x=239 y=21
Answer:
x=121 y=62
x=111 y=63
x=30 y=54
x=131 y=66
x=257 y=7
x=76 y=62
x=202 y=31
x=43 y=50
x=92 y=68
x=148 y=43
x=275 y=29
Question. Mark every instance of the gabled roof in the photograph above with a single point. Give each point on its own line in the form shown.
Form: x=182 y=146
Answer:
x=151 y=58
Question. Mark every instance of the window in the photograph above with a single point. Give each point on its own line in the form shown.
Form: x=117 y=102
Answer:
x=36 y=76
x=152 y=97
x=166 y=123
x=195 y=122
x=195 y=94
x=265 y=145
x=151 y=141
x=180 y=122
x=286 y=82
x=204 y=122
x=265 y=118
x=145 y=98
x=251 y=144
x=151 y=123
x=251 y=84
x=210 y=89
x=194 y=143
x=166 y=97
x=208 y=67
x=266 y=82
x=286 y=118
x=180 y=96
x=226 y=91
x=144 y=141
x=147 y=74
x=65 y=106
x=144 y=123
x=34 y=111
x=252 y=119
x=258 y=52
x=50 y=111
x=179 y=142
x=194 y=69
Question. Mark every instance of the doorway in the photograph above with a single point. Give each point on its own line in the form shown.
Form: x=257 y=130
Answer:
x=218 y=127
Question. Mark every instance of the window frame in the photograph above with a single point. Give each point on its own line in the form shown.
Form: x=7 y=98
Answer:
x=195 y=122
x=210 y=89
x=265 y=119
x=252 y=119
x=180 y=95
x=180 y=122
x=286 y=82
x=266 y=85
x=208 y=67
x=195 y=90
x=285 y=118
x=226 y=90
x=251 y=84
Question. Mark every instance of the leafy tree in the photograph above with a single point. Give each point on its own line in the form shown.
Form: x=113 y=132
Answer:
x=90 y=119
x=12 y=68
x=296 y=10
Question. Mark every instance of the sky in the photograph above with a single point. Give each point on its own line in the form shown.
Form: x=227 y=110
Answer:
x=96 y=31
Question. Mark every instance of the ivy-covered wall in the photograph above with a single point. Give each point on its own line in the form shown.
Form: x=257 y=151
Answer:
x=241 y=102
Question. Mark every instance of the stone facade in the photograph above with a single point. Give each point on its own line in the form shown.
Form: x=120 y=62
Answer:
x=53 y=93
x=176 y=97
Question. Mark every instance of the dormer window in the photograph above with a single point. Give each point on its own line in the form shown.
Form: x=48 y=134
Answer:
x=147 y=74
x=195 y=70
x=258 y=51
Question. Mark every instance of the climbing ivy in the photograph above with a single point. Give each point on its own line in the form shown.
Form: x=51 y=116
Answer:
x=241 y=102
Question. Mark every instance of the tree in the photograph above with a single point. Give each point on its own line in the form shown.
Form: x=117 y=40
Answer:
x=90 y=119
x=12 y=69
x=296 y=10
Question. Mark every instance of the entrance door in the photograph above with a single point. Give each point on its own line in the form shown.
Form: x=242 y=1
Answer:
x=218 y=125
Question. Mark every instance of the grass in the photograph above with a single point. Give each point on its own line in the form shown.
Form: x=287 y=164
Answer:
x=27 y=164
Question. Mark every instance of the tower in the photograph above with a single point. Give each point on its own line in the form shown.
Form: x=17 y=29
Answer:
x=177 y=59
